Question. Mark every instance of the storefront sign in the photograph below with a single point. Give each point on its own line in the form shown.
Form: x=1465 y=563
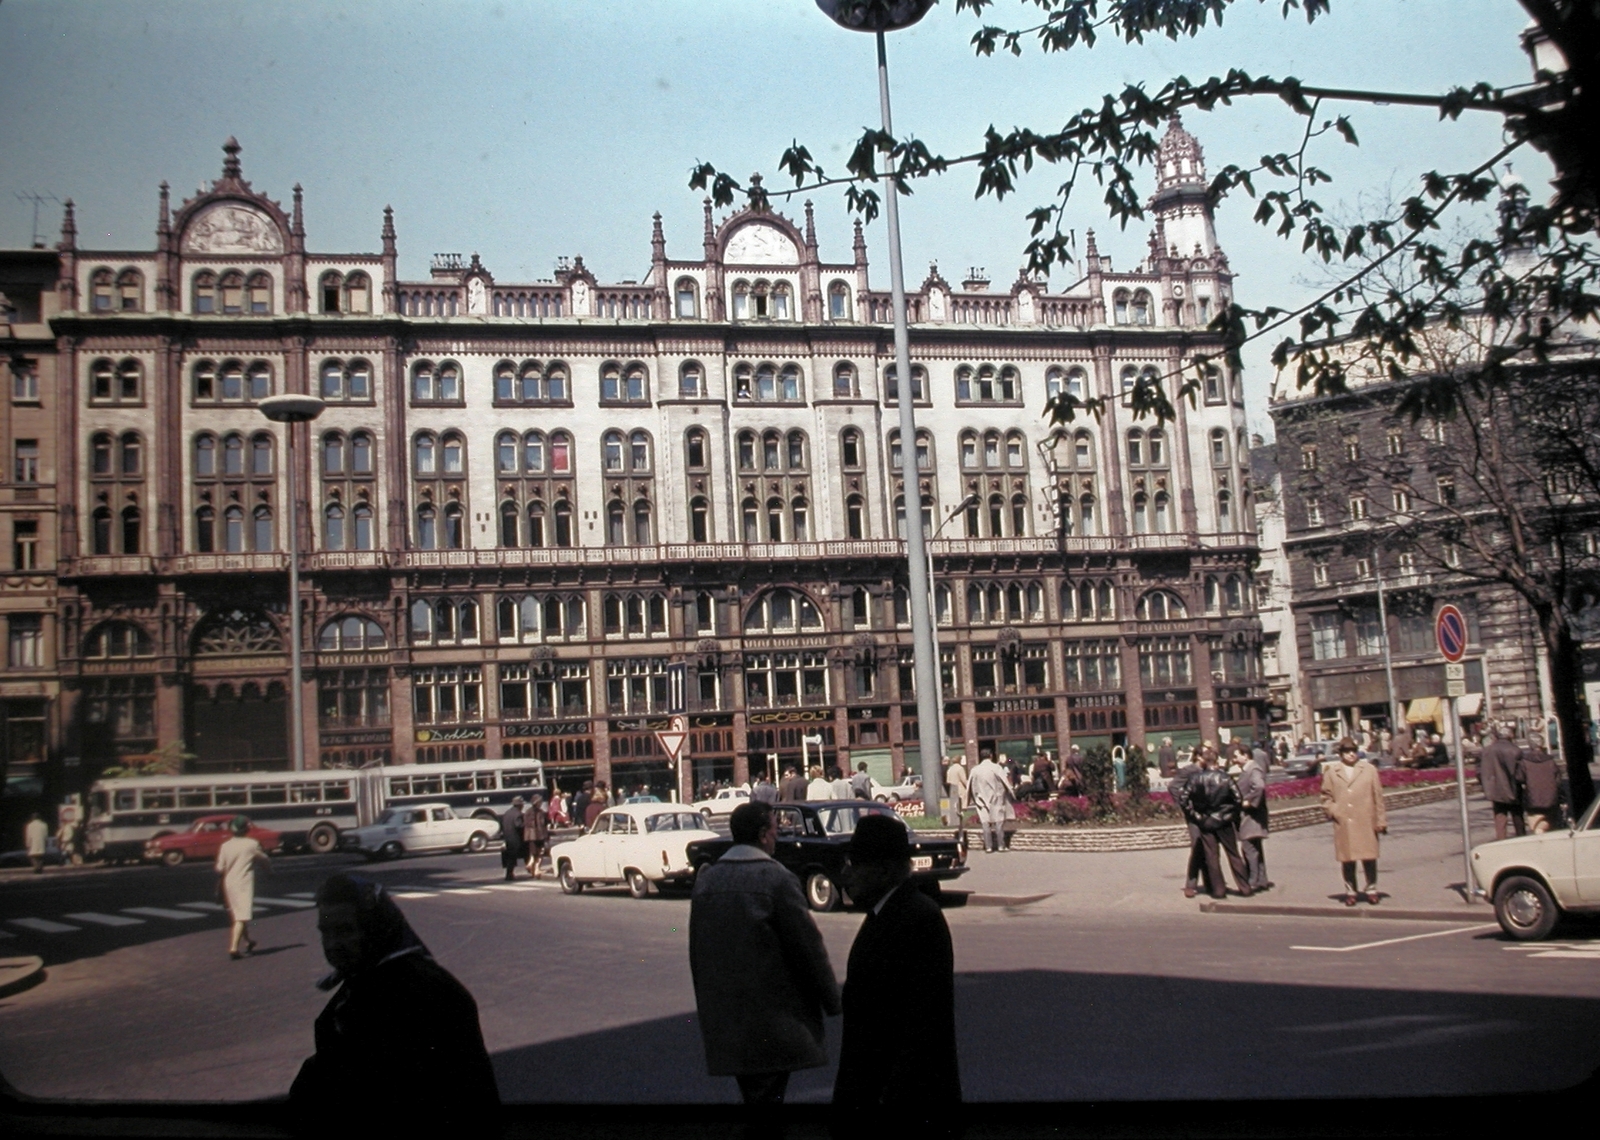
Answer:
x=465 y=732
x=344 y=739
x=796 y=716
x=548 y=728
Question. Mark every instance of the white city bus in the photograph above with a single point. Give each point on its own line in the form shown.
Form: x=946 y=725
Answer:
x=308 y=808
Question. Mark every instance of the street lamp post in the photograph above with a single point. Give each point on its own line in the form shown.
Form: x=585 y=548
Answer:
x=938 y=673
x=292 y=410
x=878 y=17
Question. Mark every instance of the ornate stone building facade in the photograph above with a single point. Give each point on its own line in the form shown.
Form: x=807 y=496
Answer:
x=538 y=516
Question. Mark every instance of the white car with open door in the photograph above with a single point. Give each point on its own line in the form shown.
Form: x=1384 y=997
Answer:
x=417 y=828
x=633 y=844
x=1534 y=878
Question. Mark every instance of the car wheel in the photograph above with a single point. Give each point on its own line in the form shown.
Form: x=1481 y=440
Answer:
x=569 y=882
x=638 y=885
x=1524 y=908
x=821 y=894
x=478 y=842
x=391 y=850
x=882 y=799
x=172 y=858
x=323 y=839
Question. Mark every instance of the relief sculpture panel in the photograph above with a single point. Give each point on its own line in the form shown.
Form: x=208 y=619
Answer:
x=231 y=228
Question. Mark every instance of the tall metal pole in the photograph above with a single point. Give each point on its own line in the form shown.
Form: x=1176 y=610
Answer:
x=1388 y=660
x=1469 y=884
x=930 y=717
x=297 y=724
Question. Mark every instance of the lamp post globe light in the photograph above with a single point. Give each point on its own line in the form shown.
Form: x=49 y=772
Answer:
x=292 y=410
x=879 y=16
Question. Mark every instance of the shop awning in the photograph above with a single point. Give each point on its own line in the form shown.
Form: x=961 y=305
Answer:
x=1470 y=705
x=1423 y=710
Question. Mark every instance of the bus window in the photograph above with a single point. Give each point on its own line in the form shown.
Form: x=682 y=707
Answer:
x=158 y=798
x=339 y=791
x=99 y=803
x=232 y=796
x=305 y=794
x=194 y=797
x=399 y=786
x=519 y=778
x=458 y=782
x=425 y=785
x=485 y=781
x=127 y=799
x=269 y=794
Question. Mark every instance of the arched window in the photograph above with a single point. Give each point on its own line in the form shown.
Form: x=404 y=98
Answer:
x=639 y=452
x=535 y=524
x=230 y=290
x=261 y=454
x=781 y=307
x=991 y=449
x=259 y=289
x=782 y=610
x=130 y=291
x=695 y=450
x=362 y=518
x=997 y=513
x=616 y=524
x=118 y=639
x=799 y=521
x=1156 y=449
x=766 y=382
x=510 y=523
x=533 y=453
x=205 y=380
x=1141 y=513
x=1019 y=515
x=506 y=459
x=562 y=515
x=232 y=380
x=919 y=383
x=452 y=526
x=333 y=537
x=750 y=517
x=688 y=298
x=699 y=520
x=330 y=286
x=100 y=291
x=233 y=530
x=204 y=292
x=972 y=516
x=1135 y=448
x=770 y=451
x=839 y=301
x=358 y=293
x=1213 y=385
x=1119 y=307
x=258 y=384
x=774 y=520
x=643 y=532
x=691 y=380
x=747 y=451
x=1161 y=605
x=1235 y=594
x=1213 y=596
x=611 y=451
x=1161 y=513
x=796 y=450
x=424 y=461
x=789 y=383
x=560 y=455
x=205 y=530
x=361 y=454
x=844 y=379
x=102 y=530
x=352 y=633
x=449 y=381
x=1142 y=308
x=427 y=536
x=233 y=455
x=505 y=382
x=423 y=388
x=741 y=300
x=100 y=452
x=1087 y=516
x=1219 y=447
x=855 y=517
x=1083 y=450
x=131 y=454
x=261 y=534
x=850 y=449
x=1224 y=511
x=453 y=450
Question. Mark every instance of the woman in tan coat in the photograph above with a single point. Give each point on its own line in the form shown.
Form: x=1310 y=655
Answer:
x=1353 y=800
x=236 y=881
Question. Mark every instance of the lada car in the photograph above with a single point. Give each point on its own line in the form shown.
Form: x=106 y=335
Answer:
x=1533 y=879
x=723 y=802
x=203 y=840
x=417 y=828
x=814 y=843
x=635 y=845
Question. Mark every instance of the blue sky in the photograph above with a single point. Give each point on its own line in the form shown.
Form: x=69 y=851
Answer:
x=530 y=130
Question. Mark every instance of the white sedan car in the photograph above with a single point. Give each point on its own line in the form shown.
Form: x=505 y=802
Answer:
x=909 y=788
x=636 y=844
x=1534 y=878
x=419 y=827
x=723 y=802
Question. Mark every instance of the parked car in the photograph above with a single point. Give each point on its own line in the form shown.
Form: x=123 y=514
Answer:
x=203 y=840
x=814 y=842
x=909 y=788
x=417 y=828
x=642 y=799
x=723 y=802
x=19 y=858
x=633 y=844
x=1534 y=879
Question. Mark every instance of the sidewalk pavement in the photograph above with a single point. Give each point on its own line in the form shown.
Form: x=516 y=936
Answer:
x=1420 y=870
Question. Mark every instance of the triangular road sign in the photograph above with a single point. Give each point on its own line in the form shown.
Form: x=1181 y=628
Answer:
x=672 y=743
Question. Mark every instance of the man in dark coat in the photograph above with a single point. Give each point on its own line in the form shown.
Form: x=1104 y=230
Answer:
x=1541 y=789
x=579 y=811
x=398 y=1044
x=1500 y=773
x=898 y=1073
x=1253 y=819
x=793 y=787
x=511 y=836
x=1167 y=758
x=765 y=791
x=1210 y=802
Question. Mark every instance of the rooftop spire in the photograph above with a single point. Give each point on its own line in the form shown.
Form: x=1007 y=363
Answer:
x=811 y=227
x=658 y=239
x=164 y=215
x=69 y=227
x=297 y=225
x=860 y=245
x=388 y=231
x=230 y=164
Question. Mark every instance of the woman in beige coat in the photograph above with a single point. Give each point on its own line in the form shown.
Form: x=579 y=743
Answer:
x=236 y=881
x=1353 y=800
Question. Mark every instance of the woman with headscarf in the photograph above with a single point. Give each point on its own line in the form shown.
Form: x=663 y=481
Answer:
x=399 y=1041
x=236 y=882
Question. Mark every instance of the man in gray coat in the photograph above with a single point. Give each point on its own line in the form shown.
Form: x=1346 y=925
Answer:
x=762 y=979
x=1253 y=817
x=991 y=792
x=1500 y=773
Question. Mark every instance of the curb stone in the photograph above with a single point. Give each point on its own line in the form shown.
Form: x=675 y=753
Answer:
x=1466 y=914
x=18 y=974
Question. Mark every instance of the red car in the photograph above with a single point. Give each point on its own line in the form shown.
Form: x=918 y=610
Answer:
x=203 y=840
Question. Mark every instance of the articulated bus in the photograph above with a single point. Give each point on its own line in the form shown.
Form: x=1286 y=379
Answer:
x=309 y=808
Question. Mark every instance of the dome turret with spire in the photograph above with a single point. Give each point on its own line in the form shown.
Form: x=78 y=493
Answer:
x=1182 y=213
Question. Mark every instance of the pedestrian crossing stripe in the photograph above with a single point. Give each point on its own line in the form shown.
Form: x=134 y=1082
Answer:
x=6 y=934
x=468 y=891
x=295 y=904
x=104 y=919
x=160 y=912
x=414 y=894
x=209 y=906
x=1590 y=954
x=300 y=895
x=43 y=925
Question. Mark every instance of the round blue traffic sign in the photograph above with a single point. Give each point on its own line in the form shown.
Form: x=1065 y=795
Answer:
x=1450 y=627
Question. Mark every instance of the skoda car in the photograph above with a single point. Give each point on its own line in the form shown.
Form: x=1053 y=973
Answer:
x=1533 y=879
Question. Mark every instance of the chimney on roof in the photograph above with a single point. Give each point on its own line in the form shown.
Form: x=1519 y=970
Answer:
x=976 y=281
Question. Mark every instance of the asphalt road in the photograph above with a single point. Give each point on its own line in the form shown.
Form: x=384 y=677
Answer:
x=588 y=999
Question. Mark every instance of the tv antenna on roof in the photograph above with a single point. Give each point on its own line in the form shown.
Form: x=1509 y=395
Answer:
x=37 y=200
